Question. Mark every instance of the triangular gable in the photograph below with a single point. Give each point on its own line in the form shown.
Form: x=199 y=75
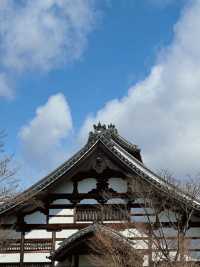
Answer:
x=120 y=150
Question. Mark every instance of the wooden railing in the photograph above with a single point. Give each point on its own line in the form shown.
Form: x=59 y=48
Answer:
x=41 y=245
x=12 y=246
x=106 y=213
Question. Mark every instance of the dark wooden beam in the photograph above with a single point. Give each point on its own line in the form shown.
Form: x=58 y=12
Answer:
x=76 y=260
x=59 y=227
x=53 y=245
x=22 y=249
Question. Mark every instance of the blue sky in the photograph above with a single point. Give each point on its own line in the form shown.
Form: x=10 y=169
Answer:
x=66 y=64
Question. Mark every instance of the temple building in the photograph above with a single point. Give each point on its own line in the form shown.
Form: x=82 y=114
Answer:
x=50 y=223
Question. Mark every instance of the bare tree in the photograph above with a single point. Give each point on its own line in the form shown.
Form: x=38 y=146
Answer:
x=109 y=248
x=172 y=209
x=8 y=182
x=8 y=187
x=169 y=209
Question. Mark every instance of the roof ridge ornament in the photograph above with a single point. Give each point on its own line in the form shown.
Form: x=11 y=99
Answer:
x=99 y=127
x=110 y=134
x=102 y=129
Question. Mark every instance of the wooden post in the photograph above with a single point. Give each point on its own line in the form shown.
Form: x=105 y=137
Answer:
x=22 y=249
x=53 y=245
x=150 y=243
x=76 y=260
x=182 y=247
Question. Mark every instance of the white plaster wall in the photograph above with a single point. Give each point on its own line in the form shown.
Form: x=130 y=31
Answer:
x=171 y=243
x=57 y=244
x=194 y=255
x=139 y=201
x=61 y=201
x=65 y=233
x=118 y=184
x=36 y=257
x=140 y=244
x=86 y=185
x=61 y=212
x=168 y=232
x=172 y=254
x=88 y=201
x=35 y=218
x=113 y=221
x=54 y=220
x=35 y=234
x=131 y=233
x=193 y=232
x=167 y=216
x=116 y=201
x=193 y=243
x=142 y=210
x=146 y=260
x=63 y=187
x=11 y=257
x=144 y=219
x=156 y=255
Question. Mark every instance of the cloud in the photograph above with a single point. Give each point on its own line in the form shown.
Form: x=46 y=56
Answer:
x=42 y=137
x=162 y=113
x=42 y=34
x=5 y=87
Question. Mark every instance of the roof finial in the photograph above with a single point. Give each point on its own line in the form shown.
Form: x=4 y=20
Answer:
x=99 y=127
x=112 y=128
x=102 y=129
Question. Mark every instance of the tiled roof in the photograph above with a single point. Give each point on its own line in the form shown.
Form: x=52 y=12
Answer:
x=119 y=147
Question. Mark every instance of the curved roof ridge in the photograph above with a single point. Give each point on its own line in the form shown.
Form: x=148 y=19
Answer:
x=126 y=142
x=91 y=229
x=104 y=135
x=47 y=180
x=148 y=174
x=111 y=132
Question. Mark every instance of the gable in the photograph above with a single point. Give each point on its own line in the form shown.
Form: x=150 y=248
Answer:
x=106 y=162
x=98 y=179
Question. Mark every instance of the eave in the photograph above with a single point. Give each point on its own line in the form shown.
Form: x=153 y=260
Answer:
x=120 y=152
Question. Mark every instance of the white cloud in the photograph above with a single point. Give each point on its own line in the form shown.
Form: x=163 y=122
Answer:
x=162 y=113
x=42 y=34
x=5 y=87
x=42 y=137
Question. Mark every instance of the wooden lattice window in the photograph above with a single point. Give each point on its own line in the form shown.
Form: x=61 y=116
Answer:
x=101 y=213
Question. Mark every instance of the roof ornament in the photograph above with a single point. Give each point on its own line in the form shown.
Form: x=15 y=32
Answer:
x=110 y=135
x=99 y=127
x=102 y=129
